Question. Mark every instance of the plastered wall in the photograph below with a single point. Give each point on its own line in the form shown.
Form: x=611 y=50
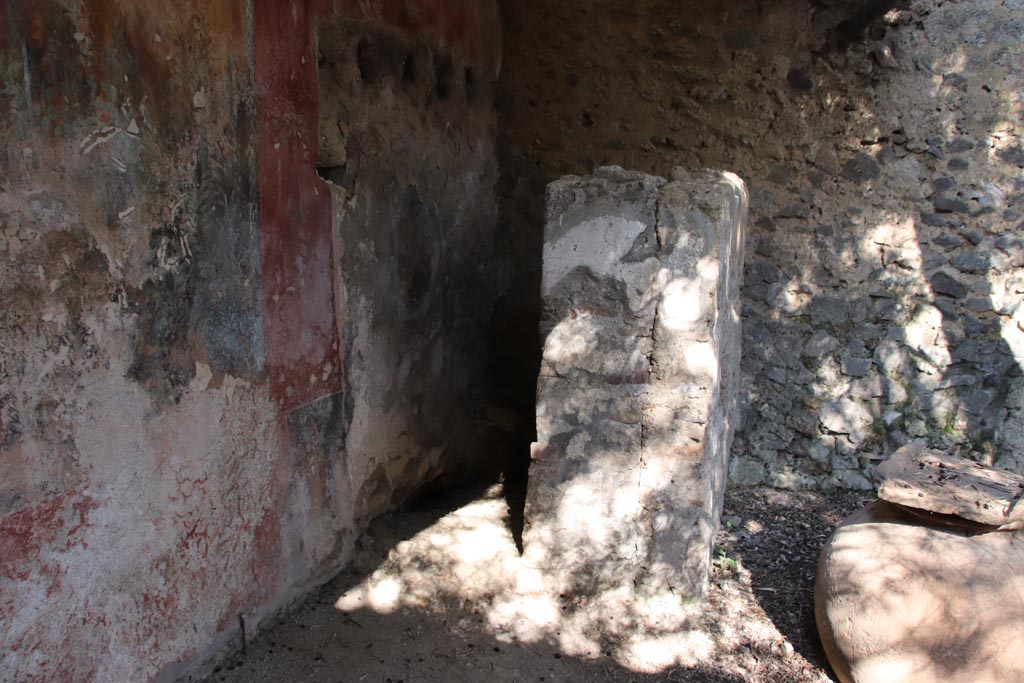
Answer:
x=184 y=386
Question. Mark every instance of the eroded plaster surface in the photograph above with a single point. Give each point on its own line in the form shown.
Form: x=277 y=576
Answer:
x=175 y=338
x=637 y=390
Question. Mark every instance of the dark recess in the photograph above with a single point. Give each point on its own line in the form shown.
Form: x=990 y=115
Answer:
x=445 y=78
x=409 y=69
x=470 y=79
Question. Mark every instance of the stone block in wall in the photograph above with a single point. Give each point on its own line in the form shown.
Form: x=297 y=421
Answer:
x=637 y=387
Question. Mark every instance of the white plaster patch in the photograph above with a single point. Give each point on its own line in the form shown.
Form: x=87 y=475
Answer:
x=598 y=244
x=202 y=378
x=96 y=138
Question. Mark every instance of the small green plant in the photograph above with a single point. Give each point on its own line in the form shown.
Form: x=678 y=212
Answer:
x=724 y=563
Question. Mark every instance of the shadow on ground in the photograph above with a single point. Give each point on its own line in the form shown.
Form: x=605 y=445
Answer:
x=431 y=591
x=777 y=536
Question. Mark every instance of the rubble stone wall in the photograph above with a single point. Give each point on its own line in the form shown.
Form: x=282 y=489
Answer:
x=884 y=281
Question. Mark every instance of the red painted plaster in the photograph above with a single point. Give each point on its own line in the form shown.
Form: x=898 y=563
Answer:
x=295 y=207
x=24 y=533
x=54 y=522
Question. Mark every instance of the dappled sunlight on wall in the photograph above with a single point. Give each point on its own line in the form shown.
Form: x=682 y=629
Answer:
x=917 y=249
x=884 y=263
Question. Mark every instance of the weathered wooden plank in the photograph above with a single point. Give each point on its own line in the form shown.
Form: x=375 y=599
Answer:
x=918 y=477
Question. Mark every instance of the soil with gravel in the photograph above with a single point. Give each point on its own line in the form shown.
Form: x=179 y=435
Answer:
x=758 y=612
x=776 y=537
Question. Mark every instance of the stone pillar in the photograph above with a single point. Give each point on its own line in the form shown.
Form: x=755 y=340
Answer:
x=638 y=380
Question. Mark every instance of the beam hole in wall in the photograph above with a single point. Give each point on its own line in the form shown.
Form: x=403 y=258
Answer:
x=332 y=174
x=368 y=62
x=445 y=81
x=469 y=77
x=409 y=69
x=337 y=72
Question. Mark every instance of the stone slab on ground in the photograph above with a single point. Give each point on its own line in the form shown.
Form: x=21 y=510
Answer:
x=900 y=599
x=918 y=477
x=638 y=379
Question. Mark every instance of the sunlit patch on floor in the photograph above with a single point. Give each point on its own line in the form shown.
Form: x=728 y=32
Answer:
x=441 y=595
x=468 y=557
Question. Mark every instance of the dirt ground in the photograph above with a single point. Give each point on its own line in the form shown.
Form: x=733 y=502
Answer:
x=424 y=600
